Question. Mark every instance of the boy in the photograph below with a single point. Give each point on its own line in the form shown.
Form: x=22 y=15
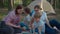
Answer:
x=26 y=19
x=27 y=16
x=37 y=24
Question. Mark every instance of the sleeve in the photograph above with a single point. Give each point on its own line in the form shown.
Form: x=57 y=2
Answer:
x=44 y=16
x=9 y=18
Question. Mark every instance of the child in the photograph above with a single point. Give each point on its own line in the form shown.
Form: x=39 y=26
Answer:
x=26 y=18
x=37 y=24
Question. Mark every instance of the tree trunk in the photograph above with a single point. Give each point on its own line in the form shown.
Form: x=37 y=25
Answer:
x=2 y=3
x=54 y=4
x=51 y=2
x=10 y=5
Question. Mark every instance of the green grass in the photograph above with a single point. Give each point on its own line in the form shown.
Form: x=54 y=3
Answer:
x=2 y=15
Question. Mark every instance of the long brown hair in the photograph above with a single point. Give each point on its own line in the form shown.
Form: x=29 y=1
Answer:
x=18 y=7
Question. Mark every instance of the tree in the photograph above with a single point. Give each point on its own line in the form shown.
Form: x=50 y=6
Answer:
x=10 y=4
x=26 y=2
x=1 y=3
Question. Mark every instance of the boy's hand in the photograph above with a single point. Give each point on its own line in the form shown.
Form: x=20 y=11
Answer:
x=34 y=33
x=24 y=28
x=31 y=26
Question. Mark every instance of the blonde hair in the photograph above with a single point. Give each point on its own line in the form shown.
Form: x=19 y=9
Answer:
x=37 y=15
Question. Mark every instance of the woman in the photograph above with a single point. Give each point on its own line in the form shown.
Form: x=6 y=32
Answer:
x=43 y=18
x=13 y=19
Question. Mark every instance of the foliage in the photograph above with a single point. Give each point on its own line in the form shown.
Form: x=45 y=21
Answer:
x=58 y=4
x=26 y=2
x=6 y=4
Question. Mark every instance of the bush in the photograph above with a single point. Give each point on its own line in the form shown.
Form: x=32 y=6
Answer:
x=26 y=2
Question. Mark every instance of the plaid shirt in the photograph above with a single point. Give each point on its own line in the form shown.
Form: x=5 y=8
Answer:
x=12 y=18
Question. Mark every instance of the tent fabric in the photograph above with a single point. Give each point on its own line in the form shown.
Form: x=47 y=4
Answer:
x=45 y=5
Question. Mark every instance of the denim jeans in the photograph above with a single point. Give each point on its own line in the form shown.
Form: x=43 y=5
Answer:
x=4 y=29
x=24 y=25
x=54 y=22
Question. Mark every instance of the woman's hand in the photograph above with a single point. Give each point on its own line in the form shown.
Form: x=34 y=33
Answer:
x=18 y=26
x=56 y=28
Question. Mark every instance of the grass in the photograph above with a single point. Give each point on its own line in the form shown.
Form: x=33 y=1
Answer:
x=2 y=15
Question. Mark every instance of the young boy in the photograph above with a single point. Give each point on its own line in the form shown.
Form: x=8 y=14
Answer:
x=37 y=24
x=26 y=19
x=27 y=16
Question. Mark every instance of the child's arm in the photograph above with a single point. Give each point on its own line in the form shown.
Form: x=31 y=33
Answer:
x=40 y=29
x=33 y=29
x=31 y=22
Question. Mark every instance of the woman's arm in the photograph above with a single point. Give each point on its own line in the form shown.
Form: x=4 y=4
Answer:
x=47 y=22
x=12 y=25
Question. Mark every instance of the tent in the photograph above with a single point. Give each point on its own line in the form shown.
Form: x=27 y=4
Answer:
x=45 y=5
